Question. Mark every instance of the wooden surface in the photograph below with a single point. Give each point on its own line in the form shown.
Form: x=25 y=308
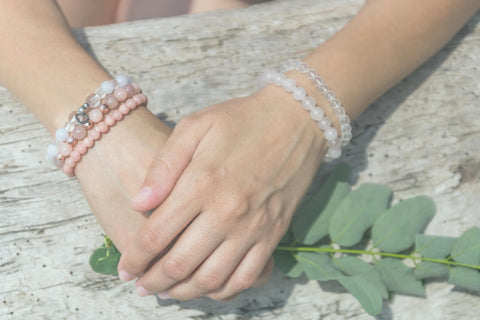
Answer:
x=421 y=137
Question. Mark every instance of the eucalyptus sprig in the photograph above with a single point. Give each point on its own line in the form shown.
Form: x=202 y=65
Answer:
x=358 y=239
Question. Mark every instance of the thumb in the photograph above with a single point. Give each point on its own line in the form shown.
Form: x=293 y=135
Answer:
x=167 y=167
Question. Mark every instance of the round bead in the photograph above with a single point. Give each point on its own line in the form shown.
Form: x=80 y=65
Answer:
x=346 y=136
x=269 y=75
x=121 y=80
x=331 y=133
x=107 y=87
x=88 y=142
x=104 y=108
x=324 y=123
x=93 y=100
x=117 y=115
x=308 y=103
x=335 y=143
x=75 y=156
x=52 y=151
x=109 y=121
x=316 y=114
x=95 y=115
x=344 y=119
x=334 y=153
x=346 y=127
x=94 y=135
x=299 y=94
x=138 y=99
x=123 y=109
x=131 y=104
x=289 y=85
x=64 y=149
x=111 y=101
x=312 y=74
x=61 y=134
x=79 y=132
x=81 y=148
x=278 y=79
x=101 y=127
x=68 y=170
x=69 y=162
x=120 y=94
x=130 y=90
x=58 y=163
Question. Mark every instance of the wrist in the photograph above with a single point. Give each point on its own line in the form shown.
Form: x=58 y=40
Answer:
x=290 y=113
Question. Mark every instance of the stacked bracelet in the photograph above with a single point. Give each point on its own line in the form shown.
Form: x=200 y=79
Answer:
x=335 y=104
x=102 y=109
x=309 y=104
x=334 y=141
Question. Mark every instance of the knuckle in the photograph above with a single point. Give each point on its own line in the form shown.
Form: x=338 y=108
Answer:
x=208 y=281
x=162 y=162
x=242 y=282
x=151 y=242
x=175 y=268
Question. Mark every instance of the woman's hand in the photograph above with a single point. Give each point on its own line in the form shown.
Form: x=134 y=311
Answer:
x=227 y=181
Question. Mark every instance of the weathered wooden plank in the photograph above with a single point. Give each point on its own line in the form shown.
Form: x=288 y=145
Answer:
x=420 y=138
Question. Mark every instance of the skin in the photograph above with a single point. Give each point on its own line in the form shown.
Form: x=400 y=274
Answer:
x=225 y=184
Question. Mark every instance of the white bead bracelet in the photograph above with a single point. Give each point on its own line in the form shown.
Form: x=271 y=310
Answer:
x=335 y=104
x=309 y=104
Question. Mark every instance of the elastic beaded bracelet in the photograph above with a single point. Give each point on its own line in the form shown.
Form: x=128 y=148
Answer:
x=109 y=104
x=335 y=104
x=309 y=104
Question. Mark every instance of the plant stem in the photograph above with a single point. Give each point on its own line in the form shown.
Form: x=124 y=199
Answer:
x=372 y=253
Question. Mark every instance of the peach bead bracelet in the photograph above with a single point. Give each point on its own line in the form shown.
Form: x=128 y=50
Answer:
x=103 y=109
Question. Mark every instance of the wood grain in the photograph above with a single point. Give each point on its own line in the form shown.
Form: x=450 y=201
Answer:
x=421 y=137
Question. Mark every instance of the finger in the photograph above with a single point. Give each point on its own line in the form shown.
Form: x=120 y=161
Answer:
x=245 y=274
x=266 y=273
x=158 y=232
x=213 y=273
x=196 y=243
x=168 y=165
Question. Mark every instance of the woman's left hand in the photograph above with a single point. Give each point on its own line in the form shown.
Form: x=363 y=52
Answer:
x=226 y=184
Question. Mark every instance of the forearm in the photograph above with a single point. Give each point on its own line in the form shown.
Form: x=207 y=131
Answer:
x=384 y=43
x=42 y=64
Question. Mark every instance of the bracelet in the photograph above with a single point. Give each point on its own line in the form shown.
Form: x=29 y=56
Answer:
x=102 y=109
x=309 y=104
x=335 y=104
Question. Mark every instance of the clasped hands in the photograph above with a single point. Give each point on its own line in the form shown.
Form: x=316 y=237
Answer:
x=223 y=190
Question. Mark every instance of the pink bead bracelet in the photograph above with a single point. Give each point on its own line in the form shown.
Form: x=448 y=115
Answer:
x=103 y=109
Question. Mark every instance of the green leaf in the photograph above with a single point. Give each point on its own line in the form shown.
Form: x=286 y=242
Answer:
x=286 y=262
x=427 y=269
x=105 y=260
x=395 y=230
x=467 y=247
x=436 y=248
x=318 y=266
x=355 y=266
x=365 y=292
x=357 y=212
x=465 y=277
x=311 y=221
x=399 y=278
x=433 y=246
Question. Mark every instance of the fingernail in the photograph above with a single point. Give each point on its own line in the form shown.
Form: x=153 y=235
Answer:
x=163 y=295
x=143 y=195
x=142 y=292
x=125 y=276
